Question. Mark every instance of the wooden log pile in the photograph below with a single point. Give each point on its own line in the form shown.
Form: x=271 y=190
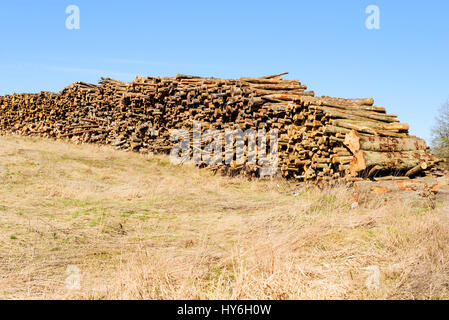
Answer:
x=320 y=138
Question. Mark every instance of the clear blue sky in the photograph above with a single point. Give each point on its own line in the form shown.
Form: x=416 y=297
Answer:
x=325 y=44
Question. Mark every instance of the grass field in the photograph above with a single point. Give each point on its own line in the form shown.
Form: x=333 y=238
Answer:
x=132 y=226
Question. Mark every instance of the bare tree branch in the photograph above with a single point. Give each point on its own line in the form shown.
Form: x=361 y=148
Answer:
x=440 y=132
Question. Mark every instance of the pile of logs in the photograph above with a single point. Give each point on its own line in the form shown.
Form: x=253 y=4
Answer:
x=320 y=138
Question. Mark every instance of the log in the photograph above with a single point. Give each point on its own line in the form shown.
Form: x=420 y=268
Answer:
x=355 y=142
x=275 y=75
x=394 y=161
x=268 y=81
x=361 y=102
x=387 y=186
x=418 y=192
x=371 y=126
x=356 y=115
x=416 y=169
x=377 y=109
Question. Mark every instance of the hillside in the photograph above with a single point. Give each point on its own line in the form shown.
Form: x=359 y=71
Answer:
x=135 y=226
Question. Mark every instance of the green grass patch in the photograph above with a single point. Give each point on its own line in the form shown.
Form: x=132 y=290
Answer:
x=160 y=162
x=99 y=164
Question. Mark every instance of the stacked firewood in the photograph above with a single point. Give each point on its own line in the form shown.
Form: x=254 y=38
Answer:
x=355 y=137
x=320 y=138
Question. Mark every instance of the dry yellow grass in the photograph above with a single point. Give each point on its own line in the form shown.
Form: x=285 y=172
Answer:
x=138 y=227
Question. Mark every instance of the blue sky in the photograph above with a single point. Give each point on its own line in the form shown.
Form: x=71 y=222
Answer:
x=325 y=44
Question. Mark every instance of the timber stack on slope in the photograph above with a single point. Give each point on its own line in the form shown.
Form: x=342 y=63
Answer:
x=320 y=138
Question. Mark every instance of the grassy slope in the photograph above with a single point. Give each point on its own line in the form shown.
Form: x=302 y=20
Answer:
x=138 y=227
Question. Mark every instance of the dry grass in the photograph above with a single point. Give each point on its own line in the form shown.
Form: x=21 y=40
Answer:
x=139 y=228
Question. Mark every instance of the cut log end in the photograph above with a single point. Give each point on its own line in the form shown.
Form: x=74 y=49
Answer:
x=358 y=163
x=352 y=141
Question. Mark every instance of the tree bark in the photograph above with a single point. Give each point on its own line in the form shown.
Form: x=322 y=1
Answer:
x=394 y=161
x=355 y=142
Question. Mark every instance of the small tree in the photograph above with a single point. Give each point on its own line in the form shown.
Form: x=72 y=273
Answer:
x=440 y=132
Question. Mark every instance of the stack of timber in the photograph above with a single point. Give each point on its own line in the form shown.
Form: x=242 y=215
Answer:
x=320 y=138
